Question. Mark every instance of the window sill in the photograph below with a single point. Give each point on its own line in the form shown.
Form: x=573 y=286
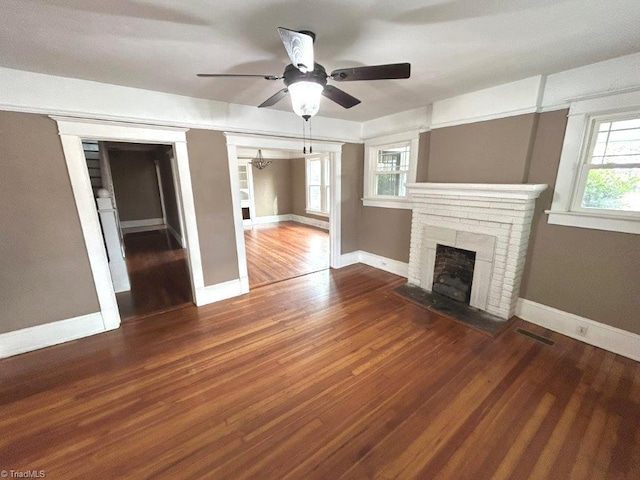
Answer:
x=401 y=203
x=594 y=221
x=317 y=214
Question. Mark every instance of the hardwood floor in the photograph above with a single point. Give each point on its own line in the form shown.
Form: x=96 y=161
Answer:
x=324 y=376
x=158 y=272
x=284 y=250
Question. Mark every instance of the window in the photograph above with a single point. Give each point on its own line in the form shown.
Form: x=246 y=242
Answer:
x=598 y=182
x=610 y=175
x=318 y=185
x=391 y=164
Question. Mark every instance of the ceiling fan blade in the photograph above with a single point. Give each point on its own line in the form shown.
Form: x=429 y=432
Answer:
x=299 y=48
x=341 y=97
x=375 y=72
x=266 y=77
x=272 y=100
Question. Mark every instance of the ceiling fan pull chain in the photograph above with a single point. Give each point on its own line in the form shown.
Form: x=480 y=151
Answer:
x=304 y=142
x=310 y=138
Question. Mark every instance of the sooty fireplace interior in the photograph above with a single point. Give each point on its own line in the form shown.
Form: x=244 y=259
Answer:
x=453 y=272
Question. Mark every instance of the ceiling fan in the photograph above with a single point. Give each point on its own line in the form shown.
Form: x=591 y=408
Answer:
x=306 y=80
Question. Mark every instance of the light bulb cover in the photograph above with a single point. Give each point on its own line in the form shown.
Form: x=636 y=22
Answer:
x=305 y=98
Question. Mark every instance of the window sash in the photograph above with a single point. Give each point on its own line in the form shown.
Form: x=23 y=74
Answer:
x=595 y=128
x=404 y=164
x=323 y=187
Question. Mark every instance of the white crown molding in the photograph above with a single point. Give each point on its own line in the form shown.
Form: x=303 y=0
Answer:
x=71 y=97
x=417 y=119
x=604 y=336
x=616 y=75
x=509 y=99
x=54 y=333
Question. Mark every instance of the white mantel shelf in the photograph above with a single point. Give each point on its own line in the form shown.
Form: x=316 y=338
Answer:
x=517 y=191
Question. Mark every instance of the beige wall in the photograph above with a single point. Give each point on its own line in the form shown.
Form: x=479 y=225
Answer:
x=212 y=196
x=44 y=268
x=591 y=273
x=424 y=145
x=385 y=232
x=135 y=183
x=495 y=151
x=351 y=194
x=272 y=188
x=298 y=190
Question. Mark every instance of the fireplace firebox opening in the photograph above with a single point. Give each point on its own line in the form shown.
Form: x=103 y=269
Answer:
x=453 y=272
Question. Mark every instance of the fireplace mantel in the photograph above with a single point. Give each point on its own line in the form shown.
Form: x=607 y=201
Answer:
x=523 y=191
x=493 y=220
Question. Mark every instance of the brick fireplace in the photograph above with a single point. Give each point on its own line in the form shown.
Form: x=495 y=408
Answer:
x=492 y=222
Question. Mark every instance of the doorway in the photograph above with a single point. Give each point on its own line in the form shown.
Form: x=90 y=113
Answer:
x=274 y=225
x=136 y=195
x=72 y=132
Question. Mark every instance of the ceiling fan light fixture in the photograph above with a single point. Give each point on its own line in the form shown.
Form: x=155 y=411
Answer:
x=305 y=98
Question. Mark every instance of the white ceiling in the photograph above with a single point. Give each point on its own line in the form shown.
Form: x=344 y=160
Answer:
x=454 y=46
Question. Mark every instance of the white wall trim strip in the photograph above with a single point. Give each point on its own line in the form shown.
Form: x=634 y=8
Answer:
x=598 y=334
x=314 y=222
x=376 y=261
x=222 y=291
x=175 y=235
x=147 y=222
x=271 y=219
x=48 y=334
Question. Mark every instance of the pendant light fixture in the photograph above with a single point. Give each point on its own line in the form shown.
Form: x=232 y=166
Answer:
x=259 y=162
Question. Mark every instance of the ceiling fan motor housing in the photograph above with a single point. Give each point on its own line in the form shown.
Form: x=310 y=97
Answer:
x=293 y=75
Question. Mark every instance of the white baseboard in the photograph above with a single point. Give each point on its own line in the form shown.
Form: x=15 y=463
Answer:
x=351 y=258
x=314 y=222
x=271 y=219
x=221 y=291
x=54 y=333
x=382 y=263
x=175 y=235
x=147 y=222
x=598 y=334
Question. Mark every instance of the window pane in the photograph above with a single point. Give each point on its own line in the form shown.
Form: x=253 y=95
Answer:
x=315 y=200
x=622 y=124
x=315 y=172
x=393 y=159
x=613 y=189
x=391 y=184
x=618 y=142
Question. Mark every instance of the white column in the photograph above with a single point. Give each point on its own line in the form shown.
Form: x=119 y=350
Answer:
x=117 y=265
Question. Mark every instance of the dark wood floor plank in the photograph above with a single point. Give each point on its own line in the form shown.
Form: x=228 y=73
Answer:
x=327 y=375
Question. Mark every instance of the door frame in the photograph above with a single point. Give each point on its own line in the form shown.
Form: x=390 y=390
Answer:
x=334 y=149
x=72 y=131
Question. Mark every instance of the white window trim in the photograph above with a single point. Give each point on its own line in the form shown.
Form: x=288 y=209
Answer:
x=574 y=149
x=371 y=147
x=325 y=164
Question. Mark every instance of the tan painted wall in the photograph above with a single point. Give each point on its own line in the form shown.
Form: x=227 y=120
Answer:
x=272 y=188
x=298 y=190
x=495 y=151
x=385 y=232
x=44 y=267
x=424 y=145
x=352 y=181
x=591 y=273
x=135 y=184
x=212 y=196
